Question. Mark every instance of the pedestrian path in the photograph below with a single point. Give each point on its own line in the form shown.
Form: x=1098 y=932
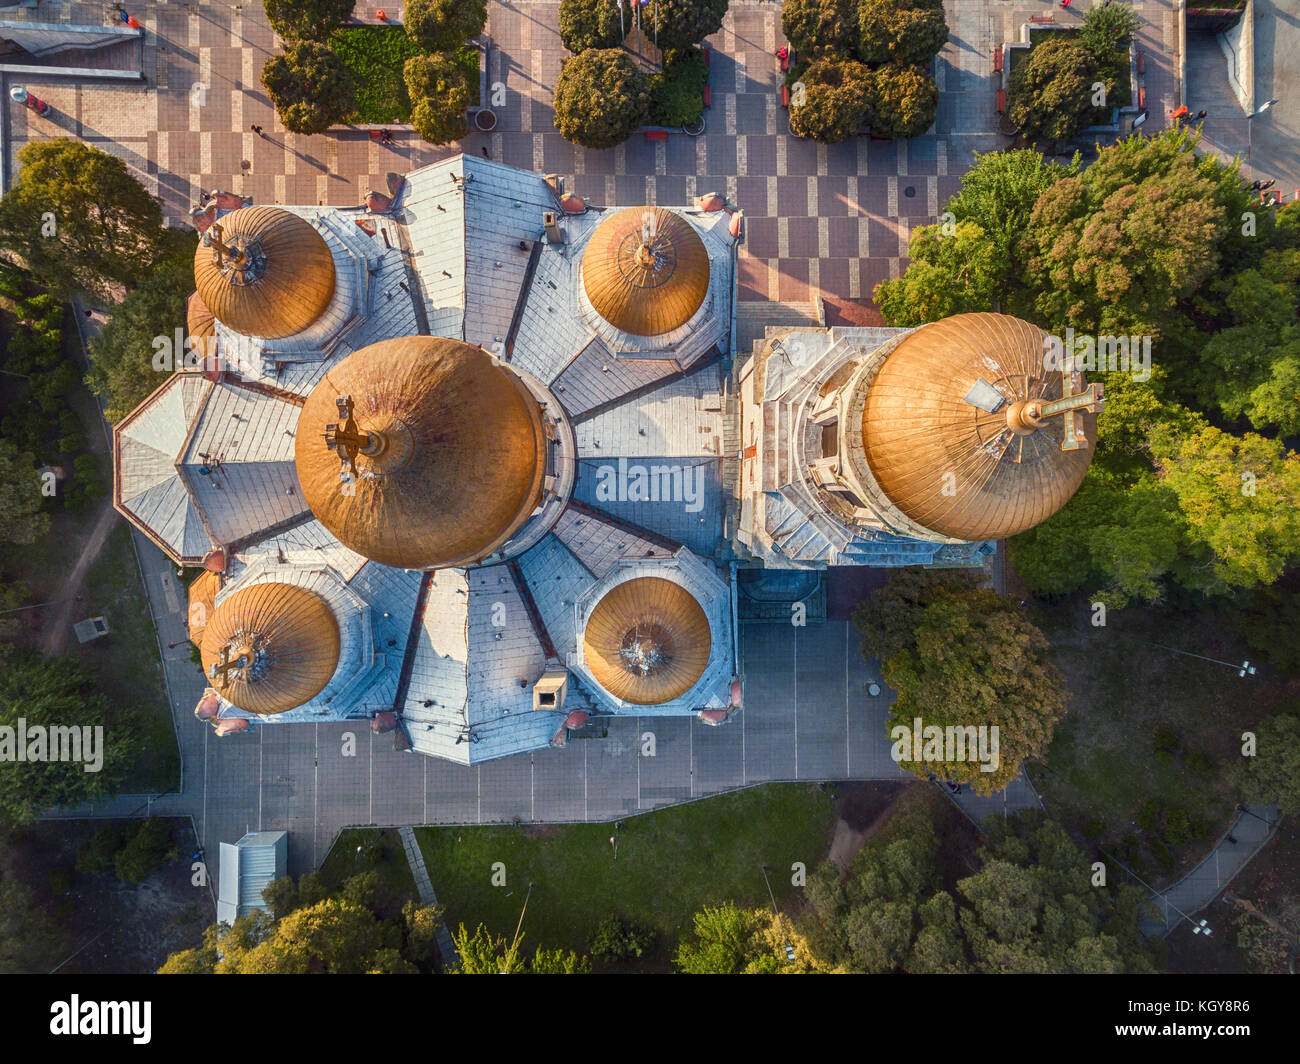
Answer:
x=427 y=897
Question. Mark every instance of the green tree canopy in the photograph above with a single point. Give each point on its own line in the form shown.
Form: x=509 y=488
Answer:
x=22 y=519
x=309 y=86
x=440 y=95
x=308 y=20
x=58 y=693
x=78 y=220
x=961 y=656
x=903 y=101
x=122 y=355
x=727 y=940
x=601 y=98
x=815 y=26
x=1108 y=28
x=443 y=25
x=591 y=24
x=1272 y=775
x=682 y=23
x=1050 y=93
x=947 y=274
x=905 y=31
x=836 y=99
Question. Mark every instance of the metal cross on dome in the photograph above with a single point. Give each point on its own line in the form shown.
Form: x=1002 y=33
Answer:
x=1026 y=416
x=348 y=441
x=221 y=669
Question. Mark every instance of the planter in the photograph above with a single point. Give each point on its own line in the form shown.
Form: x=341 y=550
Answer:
x=485 y=121
x=694 y=129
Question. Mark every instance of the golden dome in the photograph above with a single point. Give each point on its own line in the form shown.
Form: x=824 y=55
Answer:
x=264 y=272
x=647 y=641
x=951 y=431
x=448 y=445
x=202 y=594
x=645 y=271
x=199 y=321
x=270 y=647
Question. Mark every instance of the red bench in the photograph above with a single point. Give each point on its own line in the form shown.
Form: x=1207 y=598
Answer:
x=1142 y=62
x=1142 y=96
x=656 y=134
x=708 y=96
x=1042 y=18
x=1002 y=101
x=997 y=61
x=785 y=95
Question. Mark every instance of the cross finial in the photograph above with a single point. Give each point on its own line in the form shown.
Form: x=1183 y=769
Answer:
x=348 y=440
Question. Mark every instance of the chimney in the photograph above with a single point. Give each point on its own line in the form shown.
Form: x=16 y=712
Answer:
x=556 y=183
x=551 y=223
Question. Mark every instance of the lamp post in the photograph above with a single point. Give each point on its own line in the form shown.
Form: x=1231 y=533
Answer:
x=1262 y=108
x=20 y=95
x=1244 y=669
x=789 y=949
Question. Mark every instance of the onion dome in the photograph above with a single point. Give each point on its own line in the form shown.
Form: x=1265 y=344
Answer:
x=965 y=431
x=576 y=719
x=647 y=641
x=209 y=705
x=645 y=271
x=199 y=321
x=270 y=647
x=202 y=594
x=421 y=452
x=264 y=272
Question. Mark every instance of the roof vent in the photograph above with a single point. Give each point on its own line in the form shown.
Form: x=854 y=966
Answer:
x=551 y=223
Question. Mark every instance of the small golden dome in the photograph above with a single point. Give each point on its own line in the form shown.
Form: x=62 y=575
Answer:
x=440 y=462
x=199 y=321
x=202 y=595
x=270 y=647
x=645 y=271
x=264 y=272
x=647 y=641
x=949 y=431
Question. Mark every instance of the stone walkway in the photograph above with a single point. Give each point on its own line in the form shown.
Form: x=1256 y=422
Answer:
x=415 y=856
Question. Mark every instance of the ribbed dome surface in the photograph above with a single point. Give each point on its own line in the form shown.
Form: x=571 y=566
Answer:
x=276 y=278
x=283 y=641
x=457 y=454
x=917 y=428
x=645 y=271
x=199 y=321
x=647 y=641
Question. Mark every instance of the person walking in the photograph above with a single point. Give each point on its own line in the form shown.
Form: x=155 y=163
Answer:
x=257 y=129
x=1065 y=3
x=385 y=136
x=485 y=153
x=1268 y=184
x=1201 y=115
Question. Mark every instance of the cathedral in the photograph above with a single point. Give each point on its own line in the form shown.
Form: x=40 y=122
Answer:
x=478 y=462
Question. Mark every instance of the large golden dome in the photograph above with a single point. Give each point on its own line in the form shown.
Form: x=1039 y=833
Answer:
x=270 y=647
x=951 y=433
x=647 y=641
x=645 y=271
x=449 y=450
x=264 y=272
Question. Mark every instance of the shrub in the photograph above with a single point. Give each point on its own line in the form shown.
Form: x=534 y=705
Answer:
x=1163 y=855
x=677 y=92
x=443 y=25
x=1148 y=817
x=905 y=31
x=1178 y=827
x=903 y=101
x=1166 y=741
x=1051 y=91
x=145 y=852
x=1106 y=30
x=310 y=88
x=836 y=98
x=616 y=939
x=1094 y=827
x=590 y=24
x=601 y=98
x=97 y=855
x=375 y=57
x=307 y=20
x=439 y=96
x=1198 y=762
x=683 y=23
x=814 y=26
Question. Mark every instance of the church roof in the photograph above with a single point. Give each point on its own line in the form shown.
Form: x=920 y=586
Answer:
x=958 y=468
x=645 y=271
x=280 y=643
x=274 y=277
x=454 y=461
x=647 y=641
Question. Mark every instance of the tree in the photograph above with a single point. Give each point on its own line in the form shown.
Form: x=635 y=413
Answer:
x=903 y=101
x=682 y=23
x=677 y=91
x=559 y=962
x=307 y=20
x=310 y=88
x=1032 y=908
x=420 y=927
x=727 y=940
x=617 y=939
x=1050 y=94
x=145 y=851
x=590 y=24
x=122 y=355
x=1272 y=775
x=440 y=95
x=816 y=26
x=947 y=274
x=483 y=953
x=1239 y=496
x=601 y=98
x=1108 y=28
x=31 y=940
x=78 y=220
x=22 y=520
x=443 y=25
x=835 y=97
x=962 y=658
x=57 y=693
x=905 y=31
x=332 y=936
x=281 y=896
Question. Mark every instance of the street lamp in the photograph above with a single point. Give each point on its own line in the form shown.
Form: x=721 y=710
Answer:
x=1244 y=669
x=1262 y=108
x=20 y=95
x=789 y=949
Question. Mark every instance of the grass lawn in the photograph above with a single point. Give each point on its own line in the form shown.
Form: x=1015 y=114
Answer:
x=376 y=55
x=670 y=863
x=1128 y=699
x=381 y=851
